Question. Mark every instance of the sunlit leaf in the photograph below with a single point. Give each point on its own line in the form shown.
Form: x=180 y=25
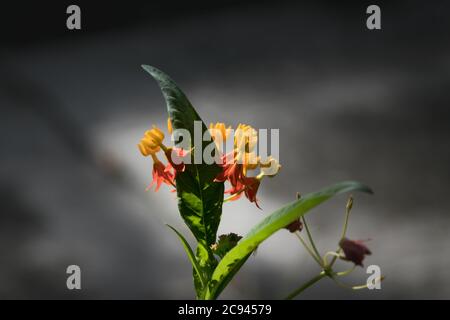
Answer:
x=235 y=258
x=200 y=199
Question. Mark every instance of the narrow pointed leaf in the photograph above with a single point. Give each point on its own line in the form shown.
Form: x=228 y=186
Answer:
x=233 y=260
x=190 y=254
x=199 y=197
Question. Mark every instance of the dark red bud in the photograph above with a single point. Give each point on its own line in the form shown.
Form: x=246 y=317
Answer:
x=296 y=225
x=354 y=250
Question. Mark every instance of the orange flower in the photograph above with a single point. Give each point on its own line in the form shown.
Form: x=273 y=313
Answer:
x=245 y=138
x=219 y=133
x=251 y=188
x=248 y=186
x=236 y=164
x=235 y=191
x=235 y=173
x=249 y=161
x=179 y=154
x=149 y=145
x=161 y=174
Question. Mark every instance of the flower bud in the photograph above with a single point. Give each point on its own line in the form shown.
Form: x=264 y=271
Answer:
x=354 y=250
x=294 y=226
x=349 y=203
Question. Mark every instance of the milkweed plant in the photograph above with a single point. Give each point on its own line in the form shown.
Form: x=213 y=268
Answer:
x=197 y=167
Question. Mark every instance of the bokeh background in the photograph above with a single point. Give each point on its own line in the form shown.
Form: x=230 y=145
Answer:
x=350 y=103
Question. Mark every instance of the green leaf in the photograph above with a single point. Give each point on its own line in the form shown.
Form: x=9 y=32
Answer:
x=190 y=254
x=200 y=199
x=181 y=111
x=235 y=258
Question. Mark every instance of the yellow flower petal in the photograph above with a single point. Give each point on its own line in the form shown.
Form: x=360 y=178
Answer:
x=158 y=133
x=143 y=150
x=169 y=125
x=270 y=167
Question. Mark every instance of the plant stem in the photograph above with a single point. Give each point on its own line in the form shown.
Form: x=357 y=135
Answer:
x=346 y=272
x=306 y=285
x=308 y=249
x=344 y=231
x=345 y=226
x=325 y=258
x=310 y=237
x=233 y=196
x=315 y=254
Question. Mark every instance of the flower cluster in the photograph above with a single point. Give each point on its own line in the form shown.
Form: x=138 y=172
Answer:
x=243 y=158
x=235 y=164
x=150 y=145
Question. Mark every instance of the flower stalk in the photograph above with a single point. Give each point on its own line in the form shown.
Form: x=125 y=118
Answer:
x=354 y=251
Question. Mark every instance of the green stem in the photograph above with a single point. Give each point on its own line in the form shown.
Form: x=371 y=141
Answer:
x=306 y=285
x=346 y=272
x=233 y=196
x=314 y=253
x=346 y=286
x=317 y=258
x=310 y=237
x=345 y=226
x=344 y=231
x=325 y=259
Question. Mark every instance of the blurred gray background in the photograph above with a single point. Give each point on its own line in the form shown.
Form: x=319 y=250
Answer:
x=350 y=103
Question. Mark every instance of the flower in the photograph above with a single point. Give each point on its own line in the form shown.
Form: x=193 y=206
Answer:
x=151 y=142
x=235 y=173
x=236 y=164
x=251 y=188
x=354 y=250
x=178 y=154
x=161 y=174
x=146 y=148
x=249 y=161
x=150 y=145
x=219 y=131
x=271 y=167
x=245 y=138
x=248 y=186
